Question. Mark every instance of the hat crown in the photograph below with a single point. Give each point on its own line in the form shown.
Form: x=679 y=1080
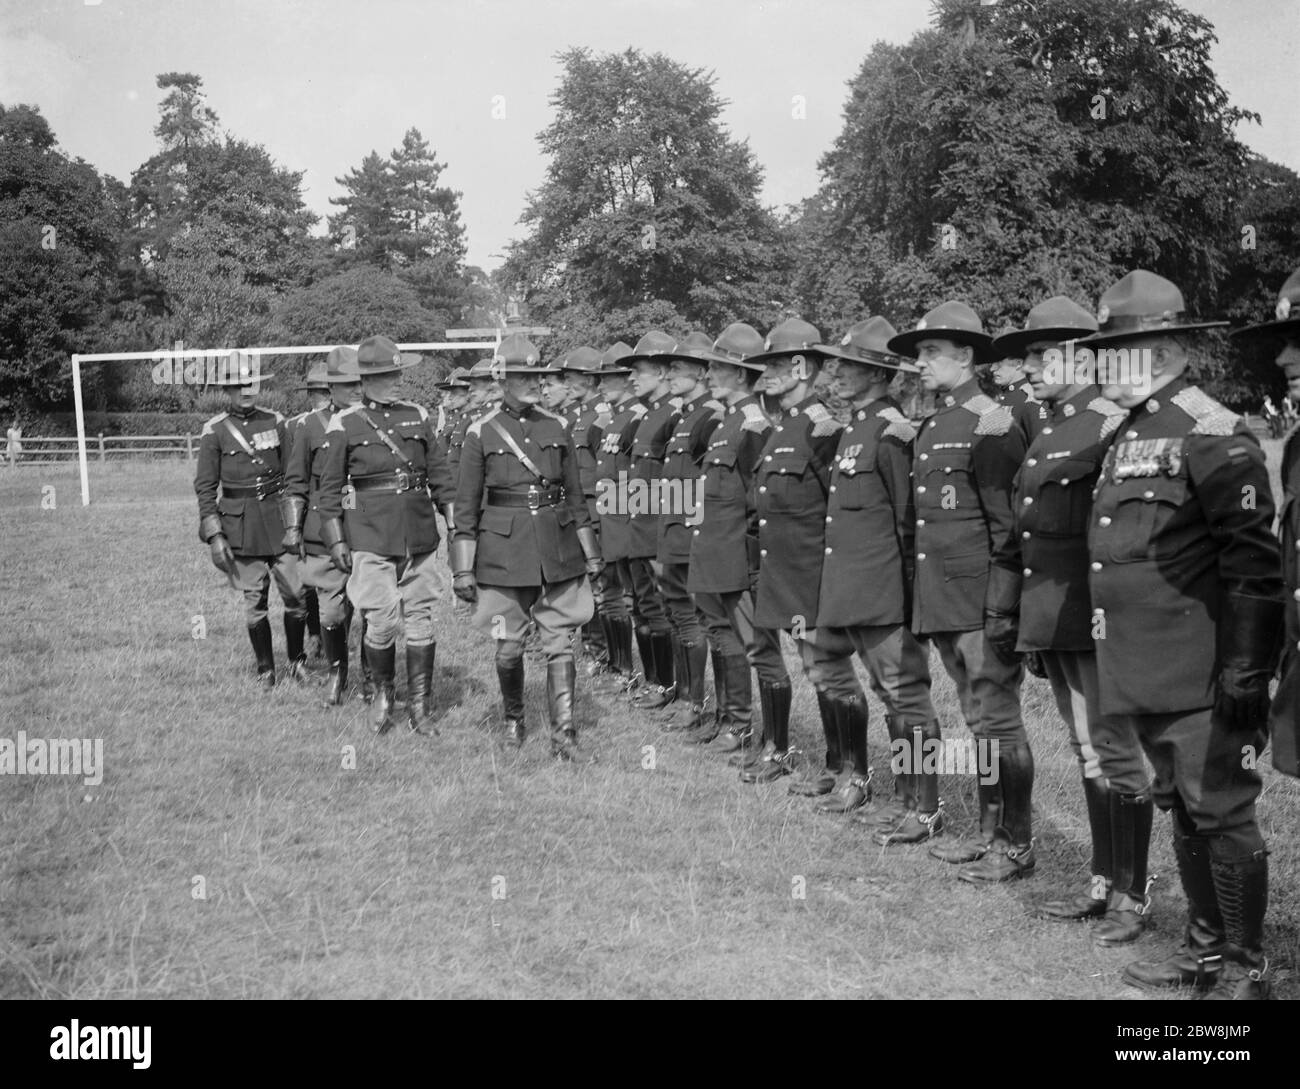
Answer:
x=481 y=369
x=792 y=335
x=378 y=349
x=1288 y=299
x=1140 y=294
x=316 y=375
x=952 y=317
x=655 y=343
x=695 y=346
x=1060 y=312
x=615 y=354
x=516 y=350
x=870 y=336
x=739 y=341
x=581 y=359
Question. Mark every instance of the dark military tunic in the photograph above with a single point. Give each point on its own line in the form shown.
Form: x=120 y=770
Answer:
x=455 y=440
x=966 y=458
x=252 y=523
x=649 y=445
x=521 y=545
x=302 y=479
x=1284 y=719
x=1182 y=515
x=791 y=485
x=587 y=434
x=1029 y=415
x=724 y=546
x=387 y=522
x=613 y=470
x=1050 y=546
x=683 y=461
x=869 y=521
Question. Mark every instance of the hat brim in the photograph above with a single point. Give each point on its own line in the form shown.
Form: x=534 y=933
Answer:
x=1266 y=329
x=500 y=370
x=765 y=359
x=1016 y=344
x=1160 y=331
x=906 y=343
x=405 y=359
x=662 y=359
x=881 y=359
x=746 y=364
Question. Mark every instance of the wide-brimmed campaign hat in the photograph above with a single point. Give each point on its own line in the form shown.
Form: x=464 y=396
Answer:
x=794 y=336
x=614 y=360
x=1143 y=304
x=695 y=348
x=379 y=355
x=655 y=347
x=953 y=321
x=1286 y=313
x=583 y=360
x=317 y=379
x=455 y=380
x=481 y=369
x=740 y=345
x=868 y=342
x=1056 y=319
x=519 y=355
x=341 y=366
x=236 y=369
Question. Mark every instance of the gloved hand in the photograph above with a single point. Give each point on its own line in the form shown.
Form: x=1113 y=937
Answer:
x=595 y=565
x=1242 y=701
x=1002 y=632
x=222 y=558
x=292 y=542
x=465 y=586
x=341 y=557
x=1034 y=663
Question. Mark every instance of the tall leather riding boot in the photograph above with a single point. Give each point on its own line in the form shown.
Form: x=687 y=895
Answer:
x=383 y=668
x=295 y=628
x=1091 y=902
x=334 y=644
x=620 y=630
x=709 y=725
x=666 y=649
x=510 y=679
x=419 y=689
x=856 y=790
x=823 y=782
x=925 y=819
x=367 y=677
x=645 y=648
x=1199 y=960
x=1011 y=854
x=690 y=679
x=559 y=702
x=738 y=712
x=976 y=844
x=595 y=646
x=1241 y=886
x=316 y=642
x=780 y=761
x=758 y=746
x=263 y=650
x=890 y=813
x=1130 y=837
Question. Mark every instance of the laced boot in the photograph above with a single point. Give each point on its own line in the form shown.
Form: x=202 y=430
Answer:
x=1241 y=886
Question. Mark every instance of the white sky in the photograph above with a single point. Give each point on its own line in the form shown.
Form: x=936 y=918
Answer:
x=322 y=82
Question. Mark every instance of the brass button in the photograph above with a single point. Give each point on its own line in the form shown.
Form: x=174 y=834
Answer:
x=1028 y=572
x=1025 y=536
x=920 y=555
x=1032 y=462
x=1029 y=501
x=920 y=490
x=1095 y=565
x=1104 y=521
x=920 y=522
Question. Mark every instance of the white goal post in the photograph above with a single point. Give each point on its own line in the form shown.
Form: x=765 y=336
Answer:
x=222 y=353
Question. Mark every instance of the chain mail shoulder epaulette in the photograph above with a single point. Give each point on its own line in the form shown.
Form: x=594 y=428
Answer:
x=211 y=425
x=897 y=425
x=996 y=420
x=1112 y=415
x=823 y=422
x=1210 y=416
x=476 y=428
x=755 y=420
x=980 y=404
x=339 y=418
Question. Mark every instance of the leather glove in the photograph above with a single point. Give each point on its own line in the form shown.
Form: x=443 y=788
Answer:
x=1034 y=663
x=595 y=565
x=293 y=542
x=465 y=586
x=1242 y=701
x=222 y=558
x=1002 y=632
x=341 y=557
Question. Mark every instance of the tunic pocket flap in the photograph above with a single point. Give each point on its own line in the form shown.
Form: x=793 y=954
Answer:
x=966 y=565
x=495 y=520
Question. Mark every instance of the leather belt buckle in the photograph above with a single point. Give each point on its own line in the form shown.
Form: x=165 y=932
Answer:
x=534 y=497
x=403 y=481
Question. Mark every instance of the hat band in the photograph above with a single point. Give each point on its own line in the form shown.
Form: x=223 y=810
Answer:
x=1125 y=323
x=867 y=355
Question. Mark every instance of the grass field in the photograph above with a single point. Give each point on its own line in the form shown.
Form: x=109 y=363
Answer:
x=447 y=867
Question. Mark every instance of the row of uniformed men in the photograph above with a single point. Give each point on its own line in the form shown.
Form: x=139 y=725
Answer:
x=978 y=534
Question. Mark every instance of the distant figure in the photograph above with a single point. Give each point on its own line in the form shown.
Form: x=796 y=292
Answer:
x=14 y=437
x=1273 y=418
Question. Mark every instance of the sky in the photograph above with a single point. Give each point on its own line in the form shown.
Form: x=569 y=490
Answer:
x=320 y=83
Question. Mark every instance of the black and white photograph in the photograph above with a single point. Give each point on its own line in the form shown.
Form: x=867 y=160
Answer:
x=642 y=499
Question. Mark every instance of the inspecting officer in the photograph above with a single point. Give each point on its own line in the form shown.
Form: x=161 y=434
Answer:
x=242 y=453
x=382 y=478
x=523 y=546
x=317 y=389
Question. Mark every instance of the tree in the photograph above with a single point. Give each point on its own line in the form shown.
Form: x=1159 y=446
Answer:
x=186 y=120
x=647 y=198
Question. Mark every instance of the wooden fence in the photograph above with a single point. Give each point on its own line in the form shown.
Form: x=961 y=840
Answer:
x=53 y=451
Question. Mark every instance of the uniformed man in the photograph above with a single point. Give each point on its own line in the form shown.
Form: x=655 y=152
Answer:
x=383 y=477
x=1185 y=583
x=557 y=394
x=480 y=397
x=580 y=368
x=1284 y=716
x=455 y=396
x=721 y=582
x=1046 y=613
x=966 y=458
x=698 y=417
x=650 y=359
x=242 y=454
x=791 y=484
x=318 y=397
x=865 y=590
x=613 y=465
x=300 y=510
x=1014 y=390
x=523 y=545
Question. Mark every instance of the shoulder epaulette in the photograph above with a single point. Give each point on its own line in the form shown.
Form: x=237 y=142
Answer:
x=424 y=412
x=336 y=421
x=212 y=423
x=995 y=421
x=1114 y=415
x=1028 y=390
x=823 y=423
x=675 y=403
x=755 y=420
x=476 y=428
x=278 y=416
x=1210 y=416
x=563 y=421
x=716 y=409
x=898 y=426
x=638 y=409
x=980 y=404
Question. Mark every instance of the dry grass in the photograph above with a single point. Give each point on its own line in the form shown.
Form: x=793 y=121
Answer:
x=379 y=881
